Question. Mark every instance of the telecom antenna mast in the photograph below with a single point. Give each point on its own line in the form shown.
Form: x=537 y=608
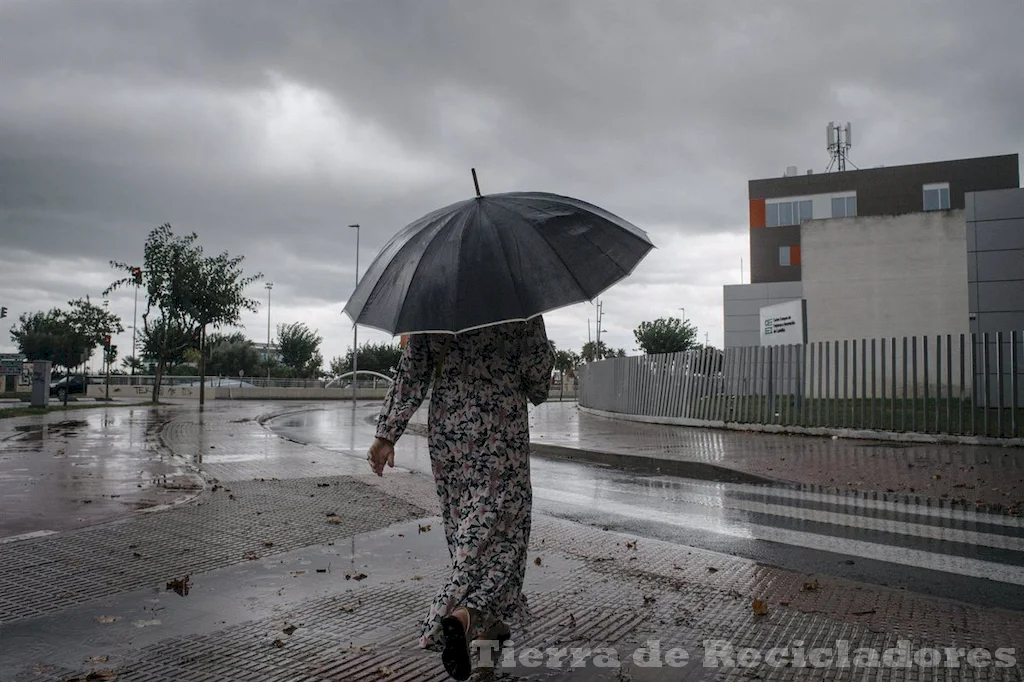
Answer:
x=839 y=143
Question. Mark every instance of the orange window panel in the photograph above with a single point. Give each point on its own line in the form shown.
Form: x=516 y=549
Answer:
x=794 y=255
x=757 y=218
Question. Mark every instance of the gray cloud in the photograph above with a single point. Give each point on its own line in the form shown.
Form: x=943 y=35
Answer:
x=267 y=127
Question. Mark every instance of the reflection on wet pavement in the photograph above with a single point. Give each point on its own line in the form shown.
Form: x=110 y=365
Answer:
x=878 y=536
x=58 y=473
x=992 y=475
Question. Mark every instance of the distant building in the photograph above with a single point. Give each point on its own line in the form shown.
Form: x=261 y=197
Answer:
x=887 y=251
x=264 y=350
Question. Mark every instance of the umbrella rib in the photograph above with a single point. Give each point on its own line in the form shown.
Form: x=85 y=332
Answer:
x=508 y=268
x=579 y=285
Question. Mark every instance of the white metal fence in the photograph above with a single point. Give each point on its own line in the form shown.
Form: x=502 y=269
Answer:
x=969 y=384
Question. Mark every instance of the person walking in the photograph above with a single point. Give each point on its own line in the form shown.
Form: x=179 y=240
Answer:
x=481 y=383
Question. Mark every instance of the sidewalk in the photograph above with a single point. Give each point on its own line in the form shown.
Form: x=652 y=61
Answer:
x=975 y=477
x=300 y=565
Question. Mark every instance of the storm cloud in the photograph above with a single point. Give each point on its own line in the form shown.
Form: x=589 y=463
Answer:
x=268 y=127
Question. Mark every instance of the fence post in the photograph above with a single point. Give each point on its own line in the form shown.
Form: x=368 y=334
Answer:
x=1014 y=387
x=1000 y=383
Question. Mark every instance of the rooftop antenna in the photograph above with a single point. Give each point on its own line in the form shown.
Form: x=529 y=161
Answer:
x=840 y=141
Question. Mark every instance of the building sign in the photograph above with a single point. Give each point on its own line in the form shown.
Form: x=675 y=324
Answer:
x=11 y=364
x=784 y=323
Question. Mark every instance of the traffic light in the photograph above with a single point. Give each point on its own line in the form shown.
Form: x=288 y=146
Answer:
x=113 y=351
x=137 y=275
x=106 y=341
x=3 y=312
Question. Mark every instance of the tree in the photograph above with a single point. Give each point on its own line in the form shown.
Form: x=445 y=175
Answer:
x=566 y=363
x=171 y=268
x=65 y=337
x=299 y=347
x=665 y=335
x=133 y=364
x=217 y=300
x=232 y=354
x=168 y=344
x=593 y=350
x=185 y=293
x=373 y=357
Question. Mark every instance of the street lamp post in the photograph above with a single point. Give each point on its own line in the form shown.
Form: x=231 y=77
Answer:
x=106 y=358
x=355 y=327
x=135 y=324
x=266 y=355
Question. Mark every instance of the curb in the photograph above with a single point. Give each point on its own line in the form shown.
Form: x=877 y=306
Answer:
x=701 y=471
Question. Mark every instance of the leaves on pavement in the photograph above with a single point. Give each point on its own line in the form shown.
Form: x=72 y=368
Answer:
x=180 y=586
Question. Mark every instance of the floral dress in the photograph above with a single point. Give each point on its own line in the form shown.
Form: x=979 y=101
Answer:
x=479 y=441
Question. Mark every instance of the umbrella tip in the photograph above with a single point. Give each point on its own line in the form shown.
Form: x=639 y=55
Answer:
x=476 y=183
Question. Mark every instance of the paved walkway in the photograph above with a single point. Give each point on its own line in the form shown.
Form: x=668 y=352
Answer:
x=300 y=565
x=973 y=475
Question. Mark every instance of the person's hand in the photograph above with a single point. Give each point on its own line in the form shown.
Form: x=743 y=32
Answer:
x=381 y=452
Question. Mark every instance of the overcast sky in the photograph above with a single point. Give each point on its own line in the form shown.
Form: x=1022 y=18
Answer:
x=267 y=127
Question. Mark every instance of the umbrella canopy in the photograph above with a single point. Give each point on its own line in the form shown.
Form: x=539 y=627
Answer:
x=493 y=259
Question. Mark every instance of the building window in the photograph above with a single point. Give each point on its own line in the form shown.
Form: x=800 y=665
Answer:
x=788 y=213
x=789 y=255
x=936 y=197
x=844 y=207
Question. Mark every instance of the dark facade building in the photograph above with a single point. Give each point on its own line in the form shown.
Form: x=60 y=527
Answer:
x=779 y=205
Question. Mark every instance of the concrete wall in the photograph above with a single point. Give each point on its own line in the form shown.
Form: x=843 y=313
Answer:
x=742 y=305
x=873 y=277
x=995 y=281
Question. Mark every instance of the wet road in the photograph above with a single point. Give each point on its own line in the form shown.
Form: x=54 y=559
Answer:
x=970 y=556
x=59 y=472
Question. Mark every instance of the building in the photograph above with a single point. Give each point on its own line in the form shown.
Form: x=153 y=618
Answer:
x=883 y=251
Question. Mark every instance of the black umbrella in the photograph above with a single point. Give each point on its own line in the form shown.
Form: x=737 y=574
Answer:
x=493 y=259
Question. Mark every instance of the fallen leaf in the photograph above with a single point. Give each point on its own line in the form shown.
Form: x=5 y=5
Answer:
x=277 y=643
x=355 y=576
x=96 y=676
x=289 y=630
x=297 y=572
x=712 y=569
x=648 y=599
x=631 y=545
x=145 y=623
x=97 y=659
x=417 y=577
x=252 y=556
x=783 y=603
x=810 y=585
x=385 y=671
x=107 y=619
x=862 y=613
x=760 y=608
x=347 y=609
x=425 y=529
x=323 y=485
x=268 y=543
x=333 y=518
x=537 y=561
x=180 y=585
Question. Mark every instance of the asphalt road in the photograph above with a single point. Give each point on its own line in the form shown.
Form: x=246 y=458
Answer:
x=971 y=557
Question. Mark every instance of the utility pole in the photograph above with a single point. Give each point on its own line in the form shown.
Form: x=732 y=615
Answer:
x=355 y=326
x=266 y=356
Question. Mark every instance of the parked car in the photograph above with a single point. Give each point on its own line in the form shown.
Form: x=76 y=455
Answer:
x=75 y=384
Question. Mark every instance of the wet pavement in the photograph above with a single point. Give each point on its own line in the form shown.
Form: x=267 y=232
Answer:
x=988 y=476
x=67 y=470
x=888 y=540
x=301 y=565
